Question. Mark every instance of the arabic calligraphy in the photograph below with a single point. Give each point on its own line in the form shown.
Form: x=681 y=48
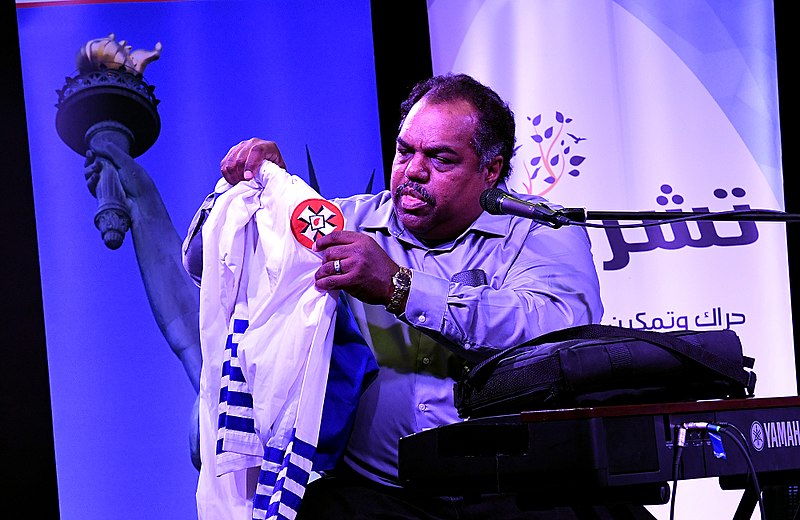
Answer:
x=713 y=318
x=706 y=232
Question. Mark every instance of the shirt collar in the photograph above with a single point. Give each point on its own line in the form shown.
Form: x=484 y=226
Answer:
x=384 y=218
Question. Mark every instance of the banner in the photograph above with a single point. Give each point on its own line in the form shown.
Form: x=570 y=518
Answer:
x=641 y=105
x=228 y=70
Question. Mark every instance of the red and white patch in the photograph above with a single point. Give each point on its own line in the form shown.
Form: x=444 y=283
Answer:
x=313 y=218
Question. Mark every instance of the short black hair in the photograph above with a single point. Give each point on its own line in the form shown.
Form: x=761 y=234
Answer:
x=495 y=131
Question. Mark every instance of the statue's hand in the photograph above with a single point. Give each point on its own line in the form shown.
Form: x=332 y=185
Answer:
x=134 y=178
x=92 y=167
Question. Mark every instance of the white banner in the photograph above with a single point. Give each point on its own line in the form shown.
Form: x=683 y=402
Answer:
x=635 y=105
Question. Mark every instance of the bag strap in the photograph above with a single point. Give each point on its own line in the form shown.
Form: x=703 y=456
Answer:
x=672 y=342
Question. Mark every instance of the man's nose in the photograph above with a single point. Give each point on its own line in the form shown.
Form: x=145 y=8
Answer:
x=417 y=169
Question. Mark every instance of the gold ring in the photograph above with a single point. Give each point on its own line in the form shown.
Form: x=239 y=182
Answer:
x=337 y=266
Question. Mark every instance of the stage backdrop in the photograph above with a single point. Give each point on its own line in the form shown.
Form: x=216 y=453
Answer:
x=644 y=105
x=300 y=73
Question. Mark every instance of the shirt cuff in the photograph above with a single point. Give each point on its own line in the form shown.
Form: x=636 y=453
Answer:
x=427 y=301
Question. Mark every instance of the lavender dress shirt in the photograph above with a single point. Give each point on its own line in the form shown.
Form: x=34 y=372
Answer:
x=502 y=282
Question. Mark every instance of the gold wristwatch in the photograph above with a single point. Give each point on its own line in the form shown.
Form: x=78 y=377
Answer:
x=402 y=284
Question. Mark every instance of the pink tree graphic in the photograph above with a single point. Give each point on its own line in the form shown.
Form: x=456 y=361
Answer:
x=555 y=157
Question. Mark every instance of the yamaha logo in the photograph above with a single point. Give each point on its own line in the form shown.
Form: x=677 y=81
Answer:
x=774 y=434
x=757 y=436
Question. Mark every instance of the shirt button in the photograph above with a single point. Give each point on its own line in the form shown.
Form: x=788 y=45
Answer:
x=421 y=318
x=426 y=361
x=422 y=407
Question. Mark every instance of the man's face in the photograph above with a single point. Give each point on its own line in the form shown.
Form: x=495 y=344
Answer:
x=436 y=182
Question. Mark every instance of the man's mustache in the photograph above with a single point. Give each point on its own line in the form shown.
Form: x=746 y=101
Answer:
x=418 y=190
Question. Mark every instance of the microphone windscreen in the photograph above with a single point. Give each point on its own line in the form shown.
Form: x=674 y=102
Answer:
x=490 y=200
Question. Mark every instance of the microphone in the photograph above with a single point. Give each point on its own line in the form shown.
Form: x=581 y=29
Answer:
x=498 y=202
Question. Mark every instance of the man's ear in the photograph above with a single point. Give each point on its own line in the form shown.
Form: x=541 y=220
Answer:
x=493 y=170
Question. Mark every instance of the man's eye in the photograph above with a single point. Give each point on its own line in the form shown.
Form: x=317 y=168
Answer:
x=441 y=160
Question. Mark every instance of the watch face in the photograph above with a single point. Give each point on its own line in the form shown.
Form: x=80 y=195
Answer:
x=402 y=285
x=402 y=279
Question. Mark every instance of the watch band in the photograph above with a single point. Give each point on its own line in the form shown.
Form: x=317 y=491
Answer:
x=402 y=285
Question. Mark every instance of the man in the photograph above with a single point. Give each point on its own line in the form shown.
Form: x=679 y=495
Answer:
x=434 y=282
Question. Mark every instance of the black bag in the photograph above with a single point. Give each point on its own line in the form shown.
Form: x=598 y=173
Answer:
x=593 y=365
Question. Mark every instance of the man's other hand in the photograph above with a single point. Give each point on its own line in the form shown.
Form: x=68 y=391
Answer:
x=244 y=159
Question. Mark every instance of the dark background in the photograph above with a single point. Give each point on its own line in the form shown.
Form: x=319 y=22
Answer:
x=402 y=56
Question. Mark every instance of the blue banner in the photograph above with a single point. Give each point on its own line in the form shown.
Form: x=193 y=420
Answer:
x=299 y=73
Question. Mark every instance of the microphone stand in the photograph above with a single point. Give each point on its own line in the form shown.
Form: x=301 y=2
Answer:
x=569 y=216
x=651 y=221
x=496 y=202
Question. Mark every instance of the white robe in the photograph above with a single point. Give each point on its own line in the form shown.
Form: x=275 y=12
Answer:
x=256 y=271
